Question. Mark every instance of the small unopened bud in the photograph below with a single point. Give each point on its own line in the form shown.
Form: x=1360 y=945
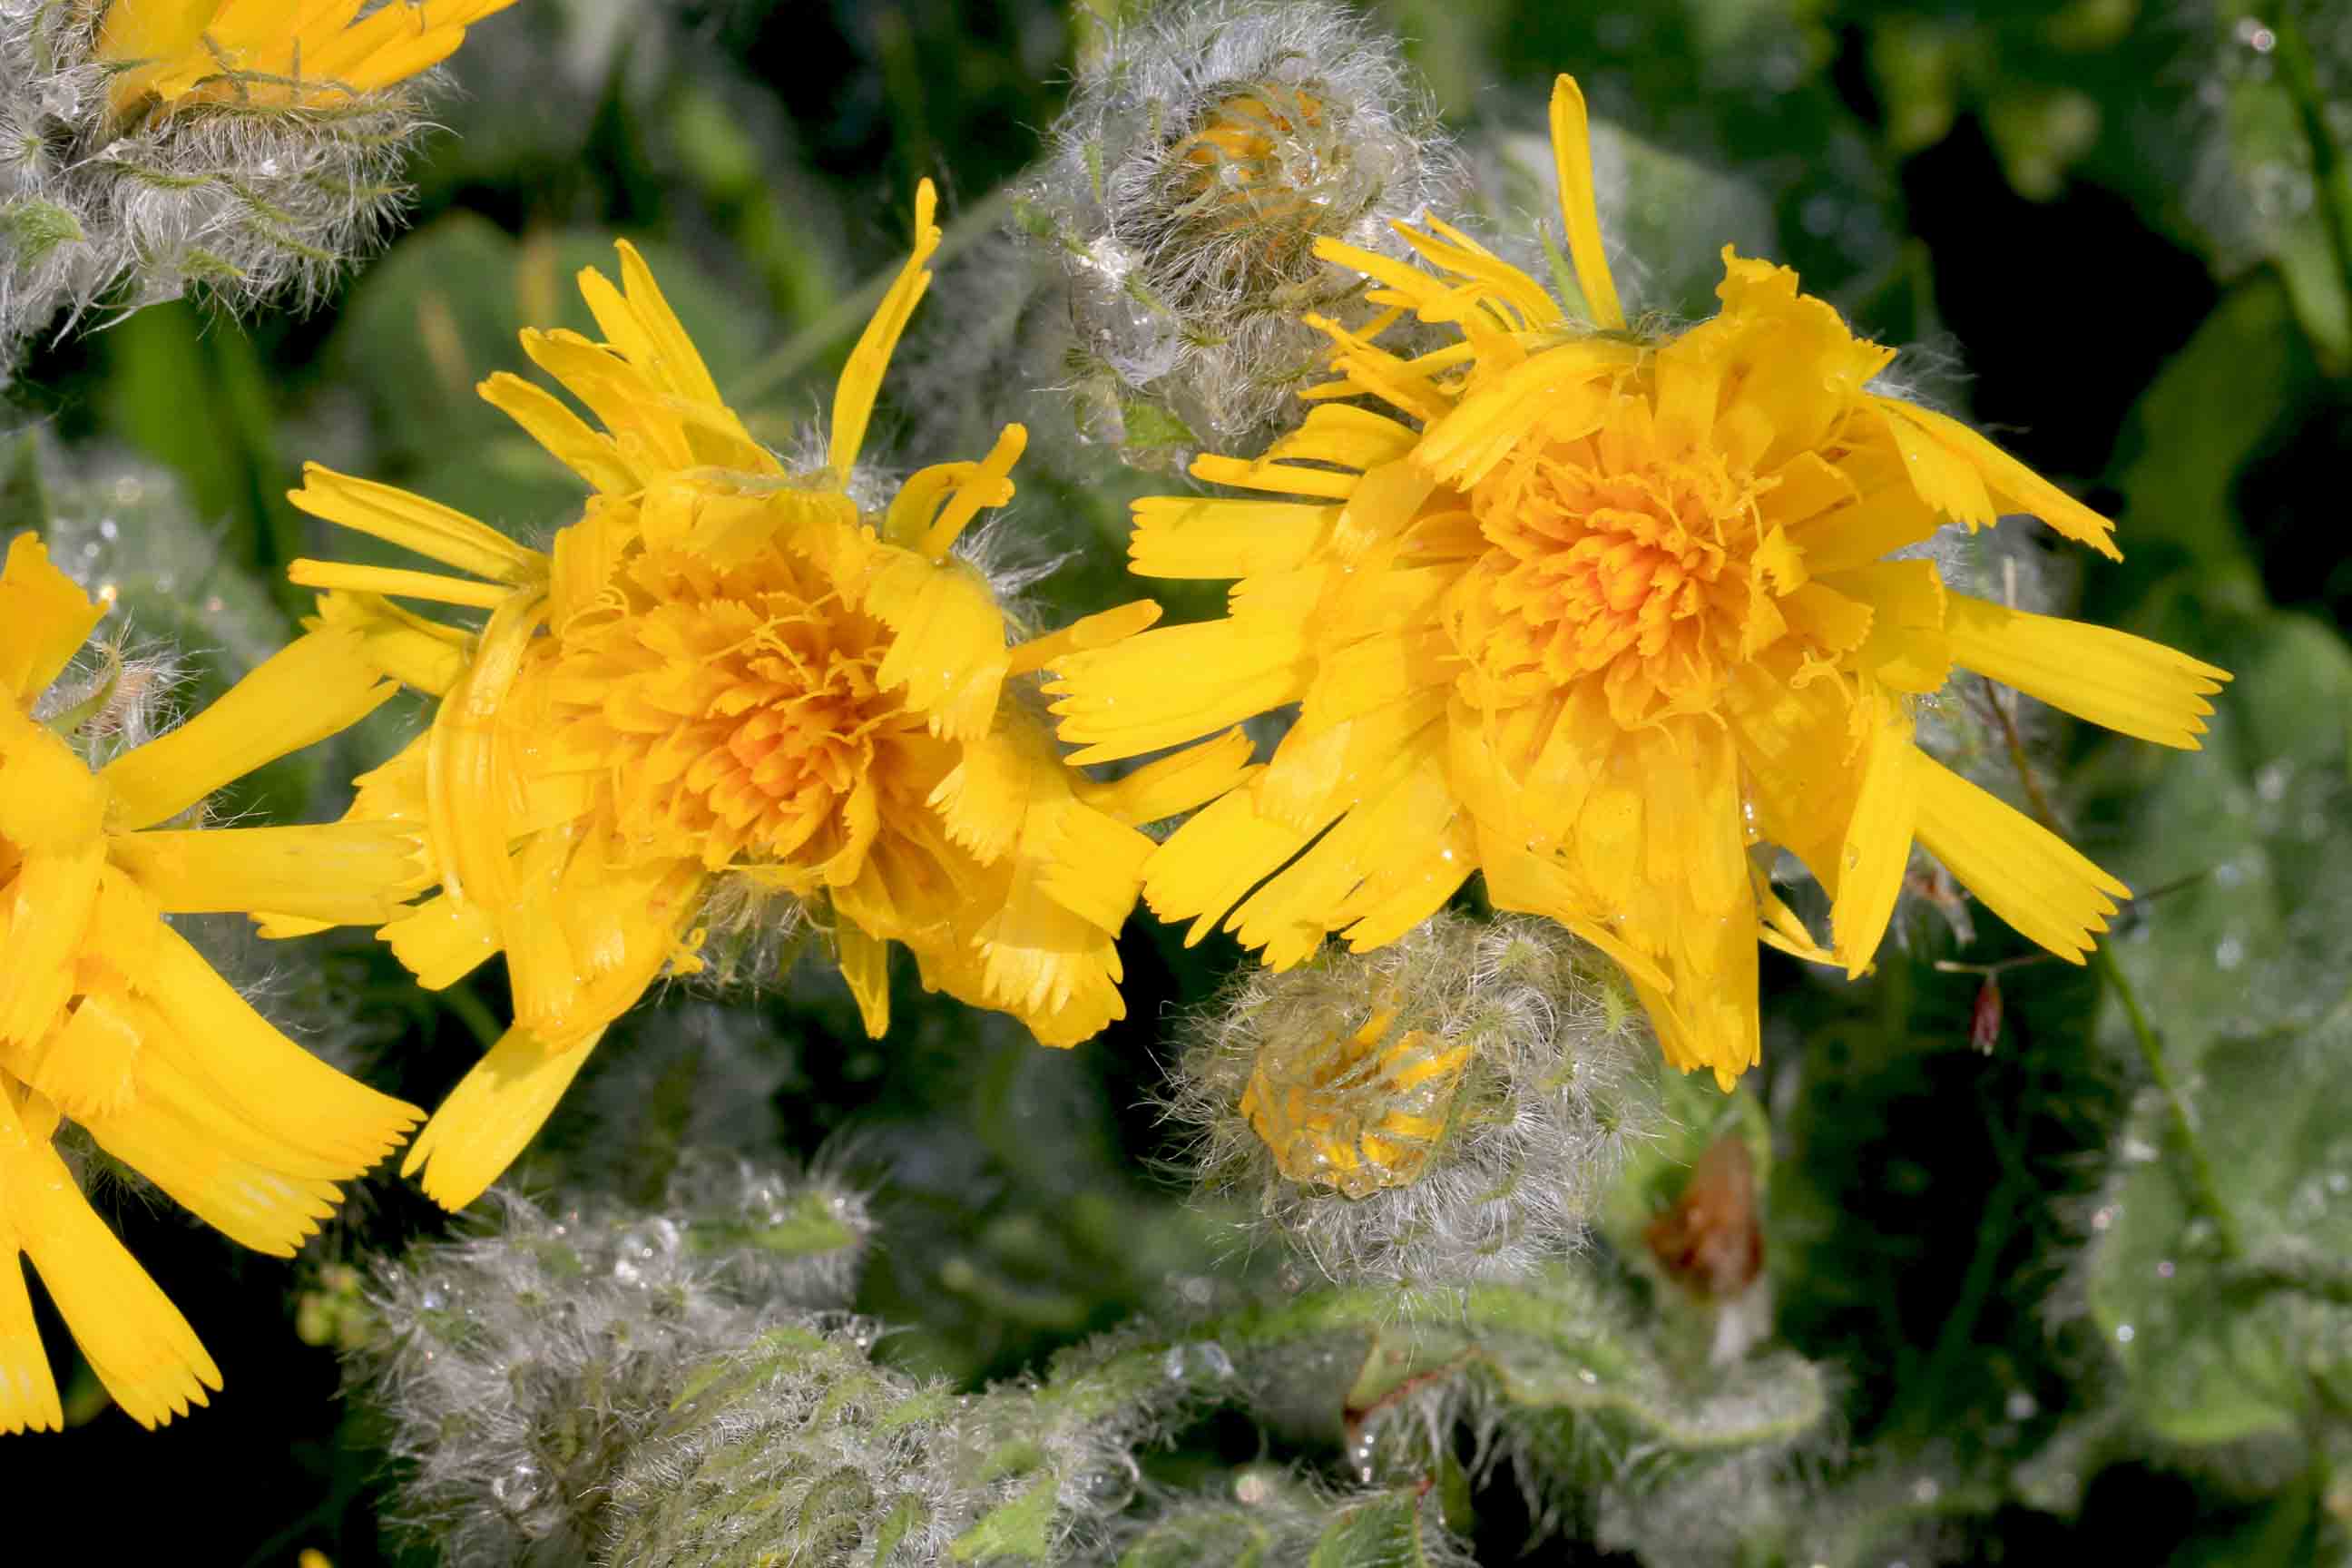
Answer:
x=1206 y=149
x=244 y=150
x=1446 y=1109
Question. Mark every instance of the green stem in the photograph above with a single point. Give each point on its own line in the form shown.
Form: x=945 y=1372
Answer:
x=2204 y=1191
x=2331 y=180
x=849 y=315
x=2203 y=1188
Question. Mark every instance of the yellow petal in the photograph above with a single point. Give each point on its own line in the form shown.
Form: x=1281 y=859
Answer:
x=866 y=965
x=397 y=582
x=275 y=1087
x=28 y=1393
x=2020 y=869
x=590 y=453
x=414 y=523
x=345 y=873
x=491 y=1115
x=44 y=619
x=250 y=1200
x=49 y=803
x=1968 y=478
x=1571 y=151
x=1209 y=863
x=2125 y=683
x=318 y=685
x=1877 y=848
x=422 y=655
x=89 y=1066
x=861 y=378
x=141 y=1349
x=1908 y=647
x=472 y=793
x=1173 y=684
x=1098 y=630
x=442 y=941
x=949 y=653
x=1175 y=783
x=987 y=485
x=48 y=905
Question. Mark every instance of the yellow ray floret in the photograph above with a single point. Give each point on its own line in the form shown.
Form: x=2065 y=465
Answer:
x=305 y=53
x=108 y=1016
x=726 y=674
x=1605 y=618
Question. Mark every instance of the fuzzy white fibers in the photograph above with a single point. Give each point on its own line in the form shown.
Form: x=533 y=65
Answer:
x=247 y=201
x=519 y=1369
x=1202 y=154
x=1560 y=1086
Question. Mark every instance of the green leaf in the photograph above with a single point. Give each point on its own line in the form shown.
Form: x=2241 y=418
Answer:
x=1021 y=1529
x=2226 y=1333
x=1385 y=1532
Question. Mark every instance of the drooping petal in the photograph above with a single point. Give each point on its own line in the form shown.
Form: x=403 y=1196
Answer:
x=1973 y=481
x=141 y=1349
x=2021 y=870
x=490 y=1115
x=1877 y=848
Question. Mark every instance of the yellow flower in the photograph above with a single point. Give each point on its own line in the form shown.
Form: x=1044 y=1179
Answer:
x=1597 y=616
x=727 y=673
x=303 y=53
x=108 y=1016
x=1354 y=1110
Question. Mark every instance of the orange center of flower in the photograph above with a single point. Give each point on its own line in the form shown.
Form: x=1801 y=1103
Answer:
x=1611 y=560
x=733 y=711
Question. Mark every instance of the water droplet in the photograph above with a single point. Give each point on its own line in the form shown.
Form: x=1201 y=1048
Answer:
x=1587 y=1376
x=1925 y=1491
x=518 y=1490
x=1360 y=1455
x=2020 y=1405
x=2124 y=1333
x=2104 y=1217
x=2255 y=35
x=2164 y=1269
x=2228 y=953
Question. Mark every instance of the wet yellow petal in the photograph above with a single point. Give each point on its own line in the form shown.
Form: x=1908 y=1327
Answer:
x=2020 y=869
x=861 y=378
x=2125 y=683
x=490 y=1115
x=1571 y=151
x=442 y=941
x=183 y=1150
x=318 y=685
x=44 y=619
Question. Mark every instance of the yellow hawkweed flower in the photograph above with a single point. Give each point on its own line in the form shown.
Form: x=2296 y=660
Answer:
x=108 y=1016
x=726 y=670
x=1596 y=615
x=302 y=53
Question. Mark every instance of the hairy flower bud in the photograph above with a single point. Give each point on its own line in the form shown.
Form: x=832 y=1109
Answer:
x=1446 y=1109
x=520 y=1369
x=1204 y=153
x=144 y=151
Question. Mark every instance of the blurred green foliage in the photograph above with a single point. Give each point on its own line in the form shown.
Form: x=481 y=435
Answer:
x=2086 y=1292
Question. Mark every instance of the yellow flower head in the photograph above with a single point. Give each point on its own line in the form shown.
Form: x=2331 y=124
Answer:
x=305 y=54
x=1598 y=616
x=727 y=673
x=1355 y=1111
x=108 y=1016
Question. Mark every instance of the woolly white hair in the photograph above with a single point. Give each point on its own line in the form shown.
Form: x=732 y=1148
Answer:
x=1560 y=1086
x=1190 y=264
x=245 y=201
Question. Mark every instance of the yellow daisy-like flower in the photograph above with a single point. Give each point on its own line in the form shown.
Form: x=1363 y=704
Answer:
x=300 y=53
x=108 y=1016
x=727 y=671
x=1597 y=616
